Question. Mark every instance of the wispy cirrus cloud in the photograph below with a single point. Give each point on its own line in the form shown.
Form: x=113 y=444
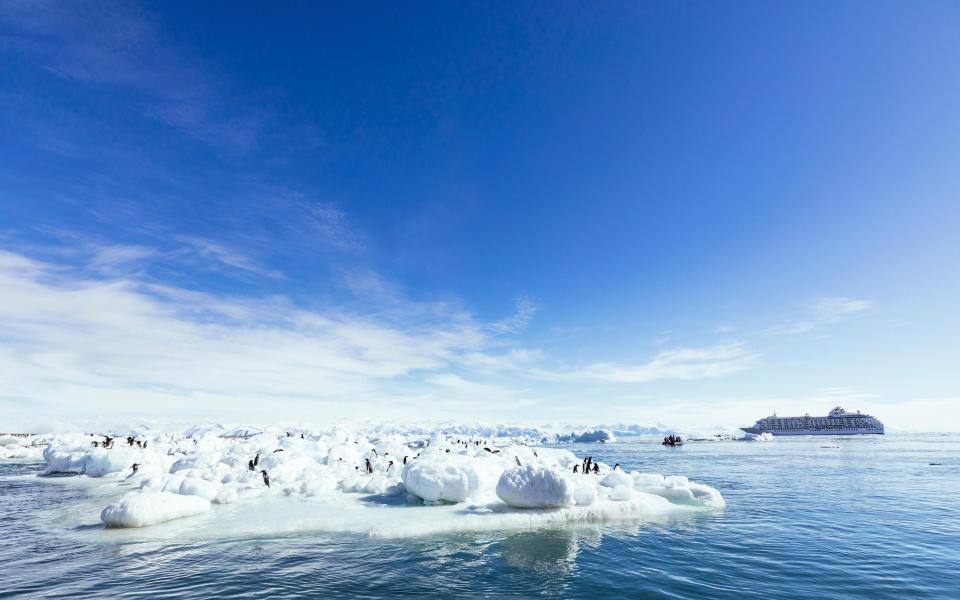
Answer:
x=217 y=253
x=69 y=338
x=120 y=45
x=82 y=339
x=676 y=363
x=524 y=310
x=825 y=311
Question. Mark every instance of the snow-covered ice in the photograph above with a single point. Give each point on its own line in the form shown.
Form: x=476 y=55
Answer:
x=139 y=509
x=382 y=483
x=757 y=437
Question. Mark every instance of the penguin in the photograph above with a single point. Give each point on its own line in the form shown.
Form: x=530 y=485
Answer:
x=266 y=478
x=596 y=468
x=129 y=440
x=576 y=468
x=389 y=466
x=517 y=458
x=616 y=467
x=369 y=466
x=96 y=444
x=374 y=450
x=256 y=460
x=144 y=444
x=135 y=467
x=251 y=466
x=404 y=460
x=448 y=450
x=139 y=444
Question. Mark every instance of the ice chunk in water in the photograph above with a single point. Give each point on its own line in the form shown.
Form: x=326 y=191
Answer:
x=139 y=509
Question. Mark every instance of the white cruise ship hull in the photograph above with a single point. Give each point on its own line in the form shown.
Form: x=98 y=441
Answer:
x=815 y=431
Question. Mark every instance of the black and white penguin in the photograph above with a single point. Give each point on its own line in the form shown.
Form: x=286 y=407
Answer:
x=369 y=466
x=266 y=478
x=135 y=467
x=256 y=460
x=251 y=466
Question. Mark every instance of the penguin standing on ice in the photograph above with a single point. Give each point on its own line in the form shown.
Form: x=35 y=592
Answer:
x=596 y=468
x=389 y=466
x=256 y=460
x=369 y=466
x=135 y=467
x=404 y=460
x=251 y=466
x=576 y=468
x=266 y=478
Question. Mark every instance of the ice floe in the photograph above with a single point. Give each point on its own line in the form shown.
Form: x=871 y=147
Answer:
x=378 y=482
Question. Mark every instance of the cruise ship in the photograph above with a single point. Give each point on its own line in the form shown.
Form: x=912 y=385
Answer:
x=838 y=422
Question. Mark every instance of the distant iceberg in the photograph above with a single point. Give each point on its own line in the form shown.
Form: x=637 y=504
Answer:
x=586 y=437
x=757 y=437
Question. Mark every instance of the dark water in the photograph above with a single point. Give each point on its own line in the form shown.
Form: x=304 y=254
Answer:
x=870 y=519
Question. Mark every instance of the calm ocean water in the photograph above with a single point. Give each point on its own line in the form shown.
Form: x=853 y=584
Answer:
x=871 y=518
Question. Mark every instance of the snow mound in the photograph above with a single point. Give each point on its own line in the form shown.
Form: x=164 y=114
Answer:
x=140 y=509
x=436 y=482
x=615 y=478
x=535 y=486
x=679 y=490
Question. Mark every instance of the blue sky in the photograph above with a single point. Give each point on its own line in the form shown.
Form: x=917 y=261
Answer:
x=691 y=213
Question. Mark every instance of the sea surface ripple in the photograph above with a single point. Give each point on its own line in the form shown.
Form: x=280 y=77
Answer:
x=866 y=517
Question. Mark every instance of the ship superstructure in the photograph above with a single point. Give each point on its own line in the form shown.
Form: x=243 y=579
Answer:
x=838 y=422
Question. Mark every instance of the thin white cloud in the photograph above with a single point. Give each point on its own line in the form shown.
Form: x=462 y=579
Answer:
x=331 y=224
x=825 y=311
x=677 y=363
x=524 y=310
x=121 y=45
x=113 y=259
x=220 y=254
x=77 y=343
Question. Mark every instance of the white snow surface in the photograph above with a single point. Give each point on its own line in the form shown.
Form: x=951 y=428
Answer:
x=374 y=482
x=758 y=437
x=139 y=509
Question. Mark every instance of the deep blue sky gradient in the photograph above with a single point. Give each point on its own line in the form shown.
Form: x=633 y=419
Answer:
x=650 y=176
